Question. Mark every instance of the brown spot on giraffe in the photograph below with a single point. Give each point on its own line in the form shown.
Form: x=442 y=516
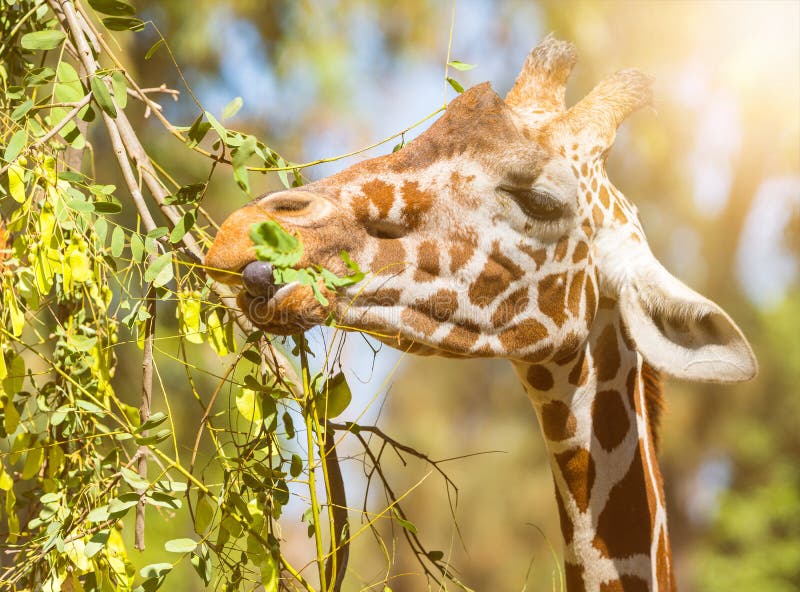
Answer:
x=497 y=274
x=462 y=247
x=461 y=337
x=381 y=194
x=514 y=304
x=418 y=321
x=568 y=350
x=417 y=203
x=605 y=199
x=580 y=252
x=540 y=378
x=626 y=583
x=381 y=297
x=597 y=215
x=580 y=371
x=427 y=262
x=539 y=256
x=590 y=301
x=577 y=468
x=440 y=306
x=390 y=258
x=528 y=331
x=566 y=524
x=561 y=248
x=619 y=215
x=552 y=296
x=624 y=526
x=573 y=574
x=558 y=421
x=575 y=293
x=610 y=421
x=606 y=356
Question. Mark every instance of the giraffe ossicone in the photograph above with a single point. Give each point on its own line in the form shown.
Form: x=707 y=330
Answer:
x=496 y=233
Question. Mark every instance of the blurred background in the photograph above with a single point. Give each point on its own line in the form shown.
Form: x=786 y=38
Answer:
x=714 y=169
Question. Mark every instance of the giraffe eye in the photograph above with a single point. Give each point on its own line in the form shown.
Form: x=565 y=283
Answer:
x=536 y=203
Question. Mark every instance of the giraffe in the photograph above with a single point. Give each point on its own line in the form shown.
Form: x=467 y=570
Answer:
x=497 y=233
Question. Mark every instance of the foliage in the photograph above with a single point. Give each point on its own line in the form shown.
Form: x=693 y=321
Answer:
x=90 y=271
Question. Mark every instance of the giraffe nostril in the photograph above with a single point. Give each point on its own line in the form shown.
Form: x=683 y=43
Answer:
x=258 y=280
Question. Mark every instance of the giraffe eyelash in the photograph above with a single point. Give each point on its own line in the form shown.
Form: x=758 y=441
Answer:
x=536 y=204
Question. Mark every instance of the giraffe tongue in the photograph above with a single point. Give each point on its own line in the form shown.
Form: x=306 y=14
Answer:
x=257 y=279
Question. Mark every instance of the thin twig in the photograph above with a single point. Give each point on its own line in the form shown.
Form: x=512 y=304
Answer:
x=146 y=401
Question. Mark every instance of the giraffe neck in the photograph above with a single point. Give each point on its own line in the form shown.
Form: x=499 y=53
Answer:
x=594 y=418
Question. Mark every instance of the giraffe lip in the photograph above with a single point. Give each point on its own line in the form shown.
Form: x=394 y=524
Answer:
x=274 y=296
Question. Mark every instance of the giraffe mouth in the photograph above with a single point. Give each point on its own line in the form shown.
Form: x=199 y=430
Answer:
x=279 y=309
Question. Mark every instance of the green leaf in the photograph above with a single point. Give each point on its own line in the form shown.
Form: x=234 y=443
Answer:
x=460 y=65
x=334 y=397
x=107 y=207
x=96 y=543
x=153 y=49
x=82 y=343
x=120 y=88
x=274 y=244
x=203 y=514
x=69 y=87
x=183 y=226
x=134 y=479
x=270 y=573
x=123 y=23
x=160 y=271
x=197 y=131
x=180 y=545
x=239 y=160
x=409 y=526
x=113 y=7
x=117 y=507
x=154 y=420
x=297 y=466
x=39 y=76
x=455 y=84
x=218 y=127
x=153 y=438
x=16 y=183
x=162 y=499
x=71 y=176
x=21 y=110
x=155 y=570
x=103 y=97
x=232 y=108
x=117 y=241
x=248 y=402
x=288 y=425
x=81 y=205
x=137 y=247
x=98 y=515
x=49 y=39
x=15 y=145
x=188 y=194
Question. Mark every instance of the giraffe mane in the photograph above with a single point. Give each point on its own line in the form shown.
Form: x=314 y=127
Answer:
x=654 y=399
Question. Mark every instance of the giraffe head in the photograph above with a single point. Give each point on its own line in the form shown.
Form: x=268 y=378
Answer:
x=494 y=233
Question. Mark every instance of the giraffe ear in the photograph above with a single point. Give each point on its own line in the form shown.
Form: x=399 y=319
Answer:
x=679 y=331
